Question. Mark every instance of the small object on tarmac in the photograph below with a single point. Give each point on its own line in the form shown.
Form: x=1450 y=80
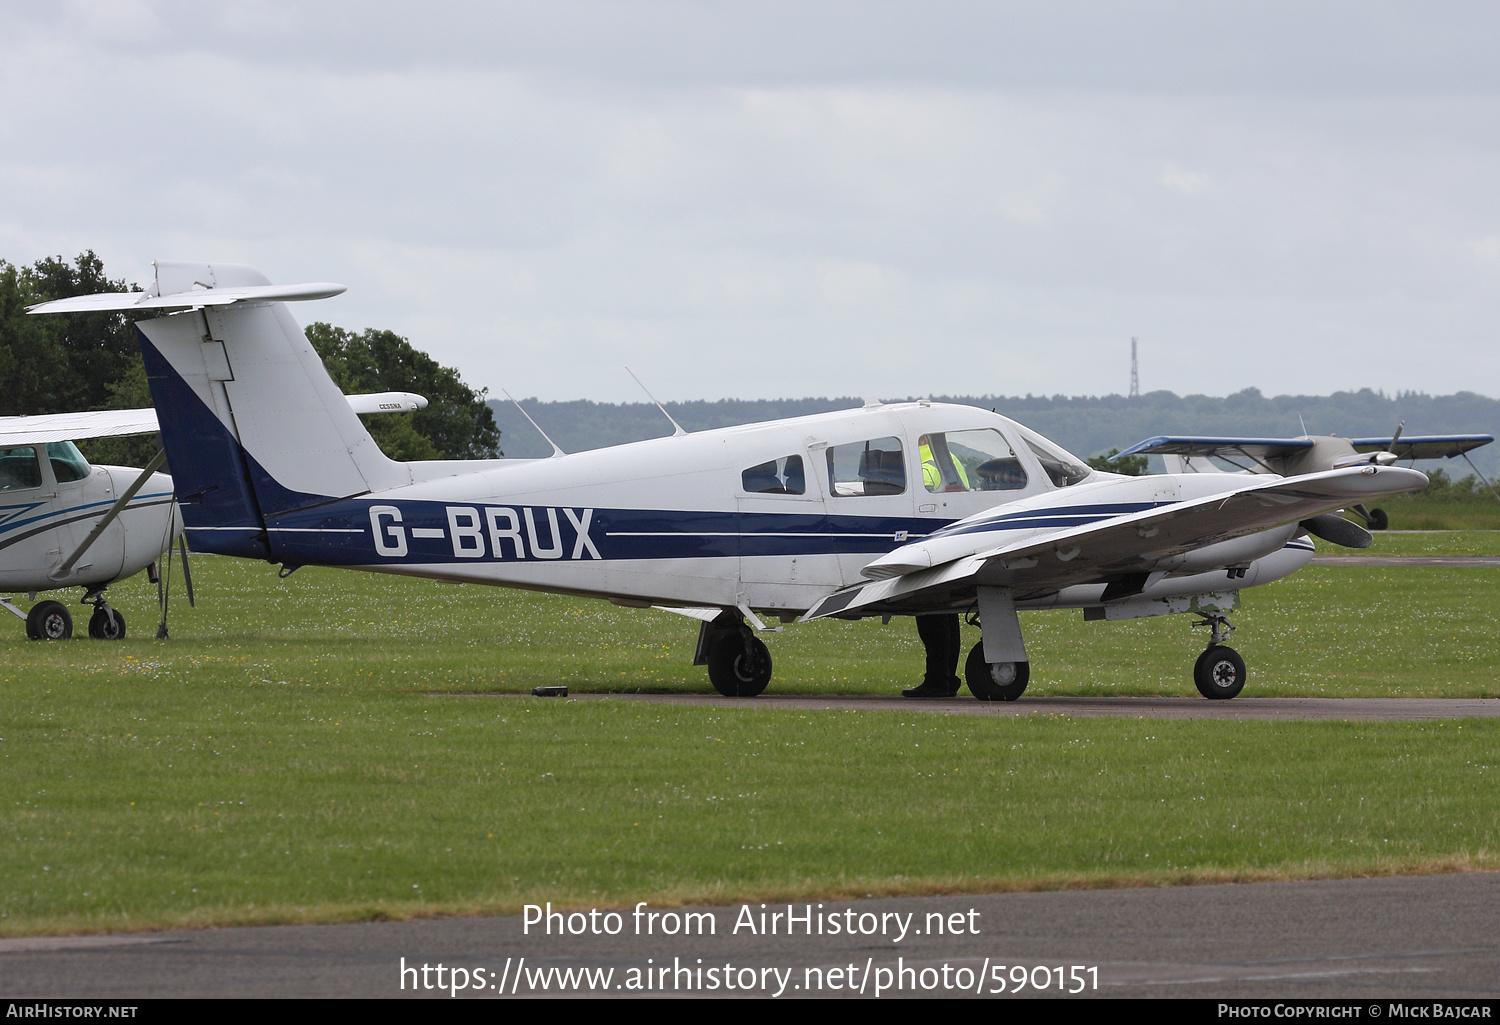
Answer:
x=549 y=692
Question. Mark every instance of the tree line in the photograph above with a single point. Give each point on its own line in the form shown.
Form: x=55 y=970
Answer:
x=84 y=361
x=92 y=361
x=1089 y=426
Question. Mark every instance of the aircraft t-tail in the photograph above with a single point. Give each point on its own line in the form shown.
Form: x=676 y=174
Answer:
x=900 y=509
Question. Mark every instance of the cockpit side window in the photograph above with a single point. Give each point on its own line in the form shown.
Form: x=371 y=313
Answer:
x=874 y=467
x=67 y=462
x=969 y=461
x=1063 y=468
x=19 y=469
x=783 y=476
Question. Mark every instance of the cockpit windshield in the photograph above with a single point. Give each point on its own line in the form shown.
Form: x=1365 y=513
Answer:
x=1063 y=468
x=67 y=462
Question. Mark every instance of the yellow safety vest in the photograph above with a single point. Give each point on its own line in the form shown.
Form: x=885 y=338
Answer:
x=931 y=478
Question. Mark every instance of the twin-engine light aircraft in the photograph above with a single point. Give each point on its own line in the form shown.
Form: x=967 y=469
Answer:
x=900 y=509
x=65 y=523
x=1288 y=457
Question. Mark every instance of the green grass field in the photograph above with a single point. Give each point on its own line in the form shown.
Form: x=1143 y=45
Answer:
x=337 y=745
x=1425 y=542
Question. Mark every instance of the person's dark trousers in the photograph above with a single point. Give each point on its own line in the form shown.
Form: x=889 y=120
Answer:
x=942 y=639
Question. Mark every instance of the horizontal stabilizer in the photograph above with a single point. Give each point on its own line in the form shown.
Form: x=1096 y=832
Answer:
x=190 y=299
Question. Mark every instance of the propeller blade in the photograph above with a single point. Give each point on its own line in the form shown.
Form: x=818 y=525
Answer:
x=114 y=510
x=187 y=576
x=1338 y=530
x=1399 y=427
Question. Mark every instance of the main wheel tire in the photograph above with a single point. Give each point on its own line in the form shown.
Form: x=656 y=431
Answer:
x=1219 y=673
x=106 y=624
x=737 y=672
x=995 y=681
x=1379 y=520
x=49 y=621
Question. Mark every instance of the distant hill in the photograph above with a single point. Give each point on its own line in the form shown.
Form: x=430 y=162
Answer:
x=1086 y=425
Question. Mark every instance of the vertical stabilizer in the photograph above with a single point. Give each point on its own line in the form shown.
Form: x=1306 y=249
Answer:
x=253 y=425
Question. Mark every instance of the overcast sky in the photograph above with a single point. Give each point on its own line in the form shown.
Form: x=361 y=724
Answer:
x=766 y=200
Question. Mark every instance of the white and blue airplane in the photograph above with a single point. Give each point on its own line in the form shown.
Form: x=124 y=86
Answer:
x=65 y=523
x=902 y=509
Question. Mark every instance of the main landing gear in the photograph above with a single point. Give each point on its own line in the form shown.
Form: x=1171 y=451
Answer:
x=995 y=681
x=1219 y=672
x=51 y=621
x=739 y=663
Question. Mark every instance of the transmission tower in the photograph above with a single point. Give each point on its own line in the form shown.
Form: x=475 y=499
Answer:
x=1135 y=377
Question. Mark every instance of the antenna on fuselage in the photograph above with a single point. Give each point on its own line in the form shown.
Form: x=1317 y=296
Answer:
x=677 y=430
x=555 y=450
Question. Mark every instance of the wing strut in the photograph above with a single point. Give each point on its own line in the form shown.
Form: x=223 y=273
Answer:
x=1000 y=626
x=114 y=510
x=1481 y=476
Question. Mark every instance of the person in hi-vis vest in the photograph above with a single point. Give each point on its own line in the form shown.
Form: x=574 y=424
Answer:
x=940 y=633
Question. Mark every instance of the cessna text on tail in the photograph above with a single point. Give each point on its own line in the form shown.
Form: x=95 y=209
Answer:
x=887 y=510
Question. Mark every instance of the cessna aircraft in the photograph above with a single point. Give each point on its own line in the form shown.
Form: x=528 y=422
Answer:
x=64 y=523
x=899 y=509
x=1288 y=457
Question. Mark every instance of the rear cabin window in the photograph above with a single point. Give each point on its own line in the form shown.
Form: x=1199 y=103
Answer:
x=19 y=469
x=969 y=461
x=874 y=467
x=783 y=476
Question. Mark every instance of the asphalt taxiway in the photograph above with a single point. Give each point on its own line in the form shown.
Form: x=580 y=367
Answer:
x=1280 y=709
x=1415 y=937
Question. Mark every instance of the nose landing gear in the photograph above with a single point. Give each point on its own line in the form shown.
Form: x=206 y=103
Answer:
x=1219 y=672
x=105 y=624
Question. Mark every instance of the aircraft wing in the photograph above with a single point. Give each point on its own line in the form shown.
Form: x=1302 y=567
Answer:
x=109 y=301
x=946 y=565
x=1253 y=448
x=118 y=423
x=387 y=402
x=1427 y=446
x=50 y=427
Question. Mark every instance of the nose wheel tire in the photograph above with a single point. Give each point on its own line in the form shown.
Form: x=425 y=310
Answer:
x=49 y=621
x=995 y=681
x=106 y=624
x=1219 y=672
x=739 y=667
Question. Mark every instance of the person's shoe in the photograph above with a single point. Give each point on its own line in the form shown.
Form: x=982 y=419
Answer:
x=930 y=689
